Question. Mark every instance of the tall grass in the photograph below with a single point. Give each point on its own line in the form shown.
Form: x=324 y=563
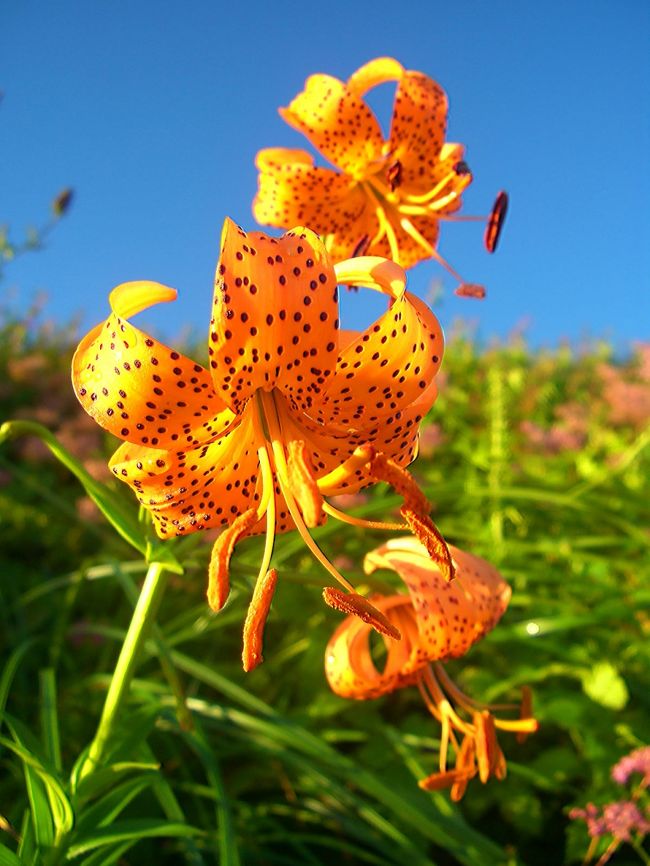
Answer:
x=536 y=460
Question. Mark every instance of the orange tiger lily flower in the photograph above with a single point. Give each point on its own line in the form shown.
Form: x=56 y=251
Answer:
x=389 y=196
x=291 y=409
x=438 y=620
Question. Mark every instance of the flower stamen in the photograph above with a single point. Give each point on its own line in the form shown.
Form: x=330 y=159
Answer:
x=361 y=521
x=419 y=238
x=218 y=570
x=282 y=471
x=303 y=483
x=258 y=611
x=353 y=603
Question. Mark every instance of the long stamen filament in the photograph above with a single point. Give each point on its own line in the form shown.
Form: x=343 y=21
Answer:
x=468 y=704
x=360 y=521
x=444 y=743
x=385 y=226
x=279 y=457
x=443 y=704
x=471 y=706
x=269 y=494
x=443 y=202
x=462 y=218
x=410 y=230
x=426 y=197
x=426 y=697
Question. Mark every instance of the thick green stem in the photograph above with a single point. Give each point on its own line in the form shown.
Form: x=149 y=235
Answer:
x=143 y=617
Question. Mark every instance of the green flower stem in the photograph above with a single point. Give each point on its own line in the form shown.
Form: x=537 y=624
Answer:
x=143 y=616
x=636 y=844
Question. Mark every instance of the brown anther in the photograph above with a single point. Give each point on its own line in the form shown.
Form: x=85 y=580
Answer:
x=429 y=535
x=218 y=571
x=258 y=611
x=303 y=484
x=495 y=221
x=438 y=781
x=489 y=755
x=470 y=290
x=525 y=711
x=462 y=168
x=352 y=603
x=385 y=469
x=465 y=767
x=394 y=175
x=500 y=768
x=360 y=250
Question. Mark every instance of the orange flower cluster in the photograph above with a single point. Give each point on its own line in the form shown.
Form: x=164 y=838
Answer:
x=388 y=196
x=438 y=620
x=290 y=411
x=293 y=411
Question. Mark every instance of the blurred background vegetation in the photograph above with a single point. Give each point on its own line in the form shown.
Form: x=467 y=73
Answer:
x=536 y=460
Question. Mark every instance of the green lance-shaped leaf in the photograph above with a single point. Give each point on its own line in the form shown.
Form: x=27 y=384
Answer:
x=62 y=816
x=121 y=516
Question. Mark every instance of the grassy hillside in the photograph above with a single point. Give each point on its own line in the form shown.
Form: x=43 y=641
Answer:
x=537 y=461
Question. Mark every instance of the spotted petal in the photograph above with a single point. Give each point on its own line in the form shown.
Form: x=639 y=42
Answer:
x=418 y=129
x=292 y=191
x=338 y=123
x=438 y=620
x=275 y=316
x=386 y=368
x=139 y=389
x=451 y=616
x=349 y=667
x=194 y=488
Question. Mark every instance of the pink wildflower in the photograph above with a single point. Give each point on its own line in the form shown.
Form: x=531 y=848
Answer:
x=637 y=761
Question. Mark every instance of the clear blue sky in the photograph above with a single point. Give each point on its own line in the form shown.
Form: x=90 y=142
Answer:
x=153 y=111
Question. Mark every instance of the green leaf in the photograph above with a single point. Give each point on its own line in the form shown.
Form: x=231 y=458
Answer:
x=605 y=686
x=144 y=828
x=8 y=858
x=49 y=718
x=104 y=812
x=102 y=857
x=9 y=671
x=106 y=778
x=442 y=824
x=60 y=809
x=122 y=517
x=228 y=852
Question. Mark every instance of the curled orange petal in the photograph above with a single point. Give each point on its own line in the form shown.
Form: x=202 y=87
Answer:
x=377 y=71
x=275 y=316
x=139 y=389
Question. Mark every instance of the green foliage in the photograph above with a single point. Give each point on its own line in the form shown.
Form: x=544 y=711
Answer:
x=537 y=461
